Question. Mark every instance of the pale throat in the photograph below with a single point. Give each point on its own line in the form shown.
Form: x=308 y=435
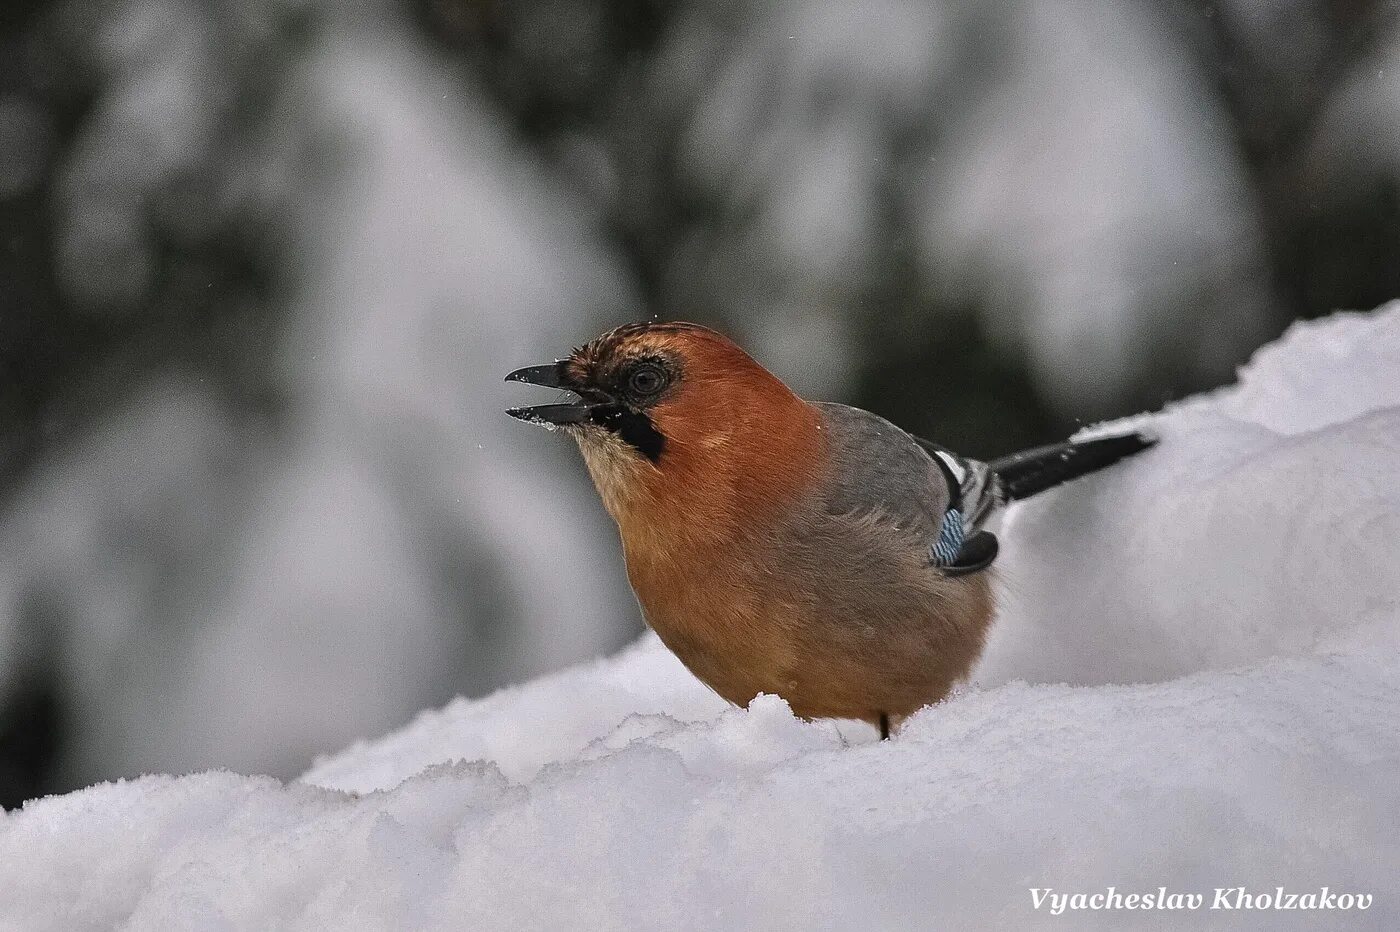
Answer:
x=660 y=513
x=618 y=472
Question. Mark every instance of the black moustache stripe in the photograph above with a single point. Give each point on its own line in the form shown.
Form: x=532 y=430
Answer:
x=634 y=427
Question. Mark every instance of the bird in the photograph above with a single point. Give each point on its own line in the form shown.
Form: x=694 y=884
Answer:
x=808 y=550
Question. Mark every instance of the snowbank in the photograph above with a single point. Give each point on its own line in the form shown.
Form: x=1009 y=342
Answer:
x=1193 y=686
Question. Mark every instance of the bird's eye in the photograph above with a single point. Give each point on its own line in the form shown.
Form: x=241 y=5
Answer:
x=646 y=380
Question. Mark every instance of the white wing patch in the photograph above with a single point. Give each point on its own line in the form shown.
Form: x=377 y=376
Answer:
x=954 y=465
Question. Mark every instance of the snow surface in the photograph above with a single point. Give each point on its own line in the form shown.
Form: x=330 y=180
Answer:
x=1193 y=685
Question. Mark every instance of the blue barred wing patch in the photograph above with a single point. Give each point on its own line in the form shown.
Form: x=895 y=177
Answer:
x=950 y=538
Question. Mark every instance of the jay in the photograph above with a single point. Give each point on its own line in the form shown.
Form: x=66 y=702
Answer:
x=806 y=550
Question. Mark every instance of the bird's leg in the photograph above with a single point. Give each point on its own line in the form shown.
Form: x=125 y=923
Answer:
x=884 y=726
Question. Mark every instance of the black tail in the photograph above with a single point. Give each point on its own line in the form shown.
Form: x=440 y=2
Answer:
x=1033 y=471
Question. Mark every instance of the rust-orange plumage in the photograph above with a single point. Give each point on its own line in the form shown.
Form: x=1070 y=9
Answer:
x=806 y=550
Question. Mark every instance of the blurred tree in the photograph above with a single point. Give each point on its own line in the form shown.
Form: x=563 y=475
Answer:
x=128 y=250
x=73 y=347
x=578 y=82
x=1331 y=231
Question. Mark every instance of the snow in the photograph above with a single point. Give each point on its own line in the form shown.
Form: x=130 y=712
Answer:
x=1192 y=686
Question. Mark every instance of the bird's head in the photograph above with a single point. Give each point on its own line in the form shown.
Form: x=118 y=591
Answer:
x=676 y=414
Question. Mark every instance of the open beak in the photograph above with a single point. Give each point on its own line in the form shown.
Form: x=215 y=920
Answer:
x=550 y=375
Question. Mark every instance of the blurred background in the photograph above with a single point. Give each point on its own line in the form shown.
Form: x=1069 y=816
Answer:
x=264 y=262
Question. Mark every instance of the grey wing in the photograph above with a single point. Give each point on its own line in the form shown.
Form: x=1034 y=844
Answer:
x=925 y=489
